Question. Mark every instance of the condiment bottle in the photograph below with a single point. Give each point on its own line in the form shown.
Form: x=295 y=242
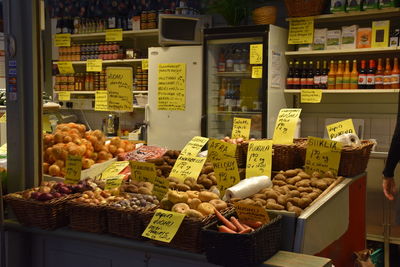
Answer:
x=289 y=77
x=379 y=75
x=339 y=76
x=296 y=76
x=354 y=76
x=387 y=78
x=346 y=76
x=310 y=76
x=396 y=74
x=317 y=76
x=362 y=76
x=332 y=75
x=303 y=78
x=371 y=75
x=324 y=76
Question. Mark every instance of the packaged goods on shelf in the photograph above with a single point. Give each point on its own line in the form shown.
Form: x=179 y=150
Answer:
x=320 y=39
x=349 y=37
x=394 y=38
x=364 y=37
x=333 y=39
x=388 y=3
x=354 y=5
x=304 y=47
x=338 y=6
x=371 y=4
x=380 y=33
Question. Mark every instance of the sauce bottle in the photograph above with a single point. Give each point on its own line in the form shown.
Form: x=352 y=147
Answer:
x=387 y=76
x=310 y=76
x=296 y=76
x=346 y=76
x=396 y=74
x=289 y=78
x=379 y=75
x=324 y=76
x=354 y=76
x=332 y=75
x=371 y=75
x=339 y=76
x=362 y=76
x=317 y=77
x=304 y=75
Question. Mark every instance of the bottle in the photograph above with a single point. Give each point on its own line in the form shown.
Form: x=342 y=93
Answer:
x=324 y=76
x=289 y=77
x=229 y=62
x=362 y=76
x=221 y=61
x=221 y=96
x=304 y=75
x=229 y=97
x=296 y=76
x=236 y=61
x=346 y=76
x=387 y=75
x=236 y=97
x=244 y=60
x=310 y=76
x=339 y=76
x=379 y=75
x=371 y=74
x=354 y=76
x=317 y=76
x=59 y=25
x=332 y=76
x=396 y=74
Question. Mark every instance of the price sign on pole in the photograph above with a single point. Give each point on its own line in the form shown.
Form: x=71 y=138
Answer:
x=285 y=126
x=65 y=67
x=256 y=54
x=194 y=146
x=64 y=95
x=161 y=187
x=341 y=127
x=94 y=65
x=241 y=128
x=218 y=150
x=259 y=158
x=113 y=35
x=227 y=174
x=74 y=168
x=114 y=182
x=310 y=95
x=187 y=167
x=256 y=72
x=301 y=30
x=143 y=171
x=62 y=39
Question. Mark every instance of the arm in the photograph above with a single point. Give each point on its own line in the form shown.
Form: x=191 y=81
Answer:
x=394 y=152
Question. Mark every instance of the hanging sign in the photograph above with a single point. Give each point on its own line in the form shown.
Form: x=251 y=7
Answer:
x=143 y=171
x=73 y=169
x=119 y=85
x=64 y=96
x=62 y=39
x=256 y=72
x=187 y=167
x=3 y=118
x=3 y=149
x=301 y=30
x=171 y=86
x=339 y=128
x=218 y=150
x=114 y=182
x=65 y=67
x=145 y=64
x=227 y=174
x=259 y=158
x=161 y=187
x=114 y=169
x=256 y=54
x=94 y=65
x=101 y=101
x=241 y=128
x=310 y=95
x=285 y=126
x=194 y=146
x=113 y=35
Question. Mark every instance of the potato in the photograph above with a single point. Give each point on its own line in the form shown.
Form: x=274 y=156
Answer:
x=262 y=196
x=279 y=176
x=303 y=183
x=270 y=194
x=317 y=190
x=294 y=193
x=316 y=175
x=207 y=196
x=313 y=195
x=274 y=206
x=293 y=180
x=194 y=203
x=329 y=181
x=329 y=174
x=290 y=173
x=282 y=199
x=305 y=189
x=291 y=187
x=304 y=175
x=321 y=185
x=182 y=187
x=292 y=208
x=208 y=169
x=198 y=187
x=278 y=182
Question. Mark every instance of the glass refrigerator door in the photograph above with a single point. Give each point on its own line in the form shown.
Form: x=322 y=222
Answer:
x=231 y=90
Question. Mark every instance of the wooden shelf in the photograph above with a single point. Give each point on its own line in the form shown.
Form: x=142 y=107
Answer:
x=140 y=92
x=237 y=112
x=349 y=91
x=94 y=92
x=102 y=35
x=109 y=62
x=233 y=74
x=342 y=51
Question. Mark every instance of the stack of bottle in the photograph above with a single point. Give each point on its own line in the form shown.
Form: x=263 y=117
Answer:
x=234 y=60
x=141 y=80
x=344 y=74
x=86 y=81
x=83 y=52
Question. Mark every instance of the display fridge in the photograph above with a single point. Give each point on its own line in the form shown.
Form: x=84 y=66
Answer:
x=244 y=76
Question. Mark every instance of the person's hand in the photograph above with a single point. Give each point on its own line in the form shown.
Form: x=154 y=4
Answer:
x=389 y=187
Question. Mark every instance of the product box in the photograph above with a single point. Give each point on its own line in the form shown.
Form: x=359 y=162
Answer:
x=136 y=23
x=354 y=5
x=388 y=3
x=364 y=37
x=380 y=33
x=320 y=39
x=349 y=37
x=333 y=39
x=371 y=4
x=304 y=47
x=338 y=6
x=394 y=38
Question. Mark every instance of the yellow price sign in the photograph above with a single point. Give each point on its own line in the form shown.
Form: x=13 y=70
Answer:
x=310 y=95
x=145 y=64
x=46 y=123
x=241 y=128
x=119 y=85
x=3 y=149
x=301 y=30
x=194 y=146
x=64 y=96
x=94 y=65
x=161 y=187
x=285 y=126
x=114 y=182
x=164 y=225
x=101 y=101
x=3 y=118
x=339 y=128
x=171 y=84
x=143 y=171
x=113 y=35
x=65 y=67
x=322 y=155
x=248 y=212
x=227 y=174
x=256 y=72
x=259 y=158
x=219 y=150
x=256 y=54
x=187 y=167
x=62 y=39
x=114 y=169
x=73 y=169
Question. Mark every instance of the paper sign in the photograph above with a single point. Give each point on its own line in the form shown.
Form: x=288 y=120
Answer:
x=145 y=64
x=161 y=187
x=259 y=158
x=46 y=123
x=301 y=30
x=219 y=150
x=94 y=65
x=3 y=149
x=194 y=146
x=114 y=182
x=119 y=85
x=241 y=128
x=73 y=169
x=285 y=126
x=256 y=72
x=341 y=127
x=65 y=67
x=322 y=155
x=114 y=169
x=164 y=225
x=310 y=95
x=227 y=174
x=248 y=212
x=62 y=39
x=171 y=86
x=3 y=118
x=64 y=96
x=187 y=167
x=113 y=35
x=143 y=171
x=256 y=54
x=101 y=101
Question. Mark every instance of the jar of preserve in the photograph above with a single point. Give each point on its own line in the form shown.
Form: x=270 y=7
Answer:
x=152 y=24
x=151 y=15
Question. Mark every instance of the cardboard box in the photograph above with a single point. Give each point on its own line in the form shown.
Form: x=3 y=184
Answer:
x=333 y=39
x=354 y=5
x=338 y=6
x=380 y=33
x=394 y=39
x=304 y=47
x=349 y=37
x=320 y=39
x=364 y=37
x=136 y=23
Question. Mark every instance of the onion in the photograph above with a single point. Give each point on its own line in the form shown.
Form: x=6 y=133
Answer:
x=54 y=170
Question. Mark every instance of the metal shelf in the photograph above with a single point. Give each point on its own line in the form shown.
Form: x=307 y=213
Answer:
x=342 y=51
x=100 y=35
x=349 y=91
x=110 y=62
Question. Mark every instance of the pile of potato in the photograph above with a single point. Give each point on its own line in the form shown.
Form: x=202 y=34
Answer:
x=133 y=186
x=165 y=163
x=136 y=201
x=97 y=197
x=236 y=141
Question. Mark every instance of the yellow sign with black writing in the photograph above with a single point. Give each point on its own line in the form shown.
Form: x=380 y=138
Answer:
x=164 y=225
x=62 y=39
x=114 y=182
x=143 y=171
x=94 y=65
x=285 y=126
x=187 y=167
x=227 y=174
x=256 y=72
x=3 y=118
x=145 y=64
x=248 y=212
x=73 y=169
x=256 y=54
x=171 y=86
x=64 y=96
x=310 y=95
x=114 y=169
x=113 y=35
x=322 y=155
x=259 y=158
x=301 y=30
x=3 y=149
x=341 y=127
x=46 y=123
x=119 y=85
x=65 y=67
x=194 y=146
x=161 y=187
x=101 y=101
x=219 y=150
x=241 y=128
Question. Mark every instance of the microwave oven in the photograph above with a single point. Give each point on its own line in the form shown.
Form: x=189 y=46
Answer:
x=182 y=29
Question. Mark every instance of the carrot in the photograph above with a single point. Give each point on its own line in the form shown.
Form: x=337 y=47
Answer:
x=253 y=224
x=246 y=231
x=224 y=229
x=225 y=221
x=247 y=227
x=237 y=224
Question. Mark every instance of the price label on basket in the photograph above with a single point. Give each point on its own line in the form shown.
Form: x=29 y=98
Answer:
x=145 y=64
x=227 y=174
x=248 y=212
x=256 y=72
x=187 y=167
x=161 y=187
x=218 y=150
x=101 y=101
x=73 y=169
x=259 y=158
x=143 y=171
x=285 y=126
x=114 y=182
x=256 y=54
x=194 y=146
x=62 y=39
x=322 y=155
x=114 y=169
x=241 y=128
x=301 y=30
x=113 y=35
x=164 y=225
x=64 y=96
x=94 y=65
x=310 y=95
x=65 y=67
x=341 y=127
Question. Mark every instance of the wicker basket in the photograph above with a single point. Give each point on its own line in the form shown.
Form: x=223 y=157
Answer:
x=264 y=15
x=304 y=8
x=87 y=218
x=47 y=215
x=242 y=249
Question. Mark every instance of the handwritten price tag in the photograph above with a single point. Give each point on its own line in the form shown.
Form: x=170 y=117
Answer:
x=194 y=146
x=322 y=155
x=101 y=101
x=187 y=167
x=256 y=54
x=119 y=86
x=114 y=182
x=227 y=174
x=114 y=169
x=171 y=84
x=241 y=128
x=259 y=158
x=248 y=212
x=310 y=95
x=285 y=126
x=341 y=127
x=161 y=187
x=65 y=67
x=64 y=96
x=218 y=150
x=74 y=168
x=164 y=225
x=256 y=72
x=62 y=39
x=3 y=149
x=113 y=35
x=145 y=64
x=301 y=30
x=143 y=171
x=94 y=65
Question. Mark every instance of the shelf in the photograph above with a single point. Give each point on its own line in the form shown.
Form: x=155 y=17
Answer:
x=237 y=112
x=109 y=62
x=140 y=92
x=388 y=13
x=233 y=74
x=342 y=51
x=349 y=91
x=100 y=35
x=94 y=92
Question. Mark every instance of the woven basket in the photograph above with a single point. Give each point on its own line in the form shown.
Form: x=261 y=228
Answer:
x=242 y=249
x=47 y=215
x=264 y=15
x=87 y=218
x=304 y=8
